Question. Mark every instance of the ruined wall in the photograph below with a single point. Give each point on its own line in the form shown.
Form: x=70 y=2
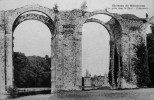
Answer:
x=68 y=50
x=133 y=48
x=115 y=47
x=2 y=57
x=7 y=20
x=131 y=71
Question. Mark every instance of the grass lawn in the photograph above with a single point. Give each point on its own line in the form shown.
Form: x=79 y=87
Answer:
x=132 y=94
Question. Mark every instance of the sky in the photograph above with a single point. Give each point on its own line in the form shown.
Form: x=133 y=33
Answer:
x=34 y=38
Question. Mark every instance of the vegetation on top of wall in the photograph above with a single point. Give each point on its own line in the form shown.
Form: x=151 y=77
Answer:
x=130 y=17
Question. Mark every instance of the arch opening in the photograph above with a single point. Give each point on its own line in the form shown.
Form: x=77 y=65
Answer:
x=102 y=17
x=95 y=54
x=115 y=16
x=32 y=42
x=113 y=27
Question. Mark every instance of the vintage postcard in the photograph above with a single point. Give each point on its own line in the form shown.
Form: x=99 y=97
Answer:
x=77 y=49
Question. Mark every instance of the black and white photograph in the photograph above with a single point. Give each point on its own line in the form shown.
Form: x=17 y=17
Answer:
x=76 y=49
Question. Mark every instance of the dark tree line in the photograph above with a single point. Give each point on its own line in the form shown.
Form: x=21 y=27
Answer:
x=141 y=69
x=150 y=46
x=31 y=71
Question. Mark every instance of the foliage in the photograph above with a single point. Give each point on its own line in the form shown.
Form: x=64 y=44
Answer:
x=141 y=68
x=150 y=46
x=110 y=77
x=55 y=8
x=84 y=6
x=21 y=63
x=32 y=71
x=116 y=69
x=116 y=66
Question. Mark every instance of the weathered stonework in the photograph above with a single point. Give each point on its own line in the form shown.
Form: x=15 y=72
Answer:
x=127 y=35
x=132 y=40
x=2 y=58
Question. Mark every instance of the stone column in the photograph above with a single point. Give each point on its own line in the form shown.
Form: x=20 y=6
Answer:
x=9 y=62
x=134 y=55
x=68 y=60
x=53 y=66
x=78 y=60
x=125 y=46
x=2 y=58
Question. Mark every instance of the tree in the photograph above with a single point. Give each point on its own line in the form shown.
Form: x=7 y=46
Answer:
x=32 y=71
x=150 y=46
x=41 y=68
x=20 y=63
x=141 y=70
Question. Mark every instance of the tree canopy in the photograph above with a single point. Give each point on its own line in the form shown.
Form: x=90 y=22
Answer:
x=31 y=71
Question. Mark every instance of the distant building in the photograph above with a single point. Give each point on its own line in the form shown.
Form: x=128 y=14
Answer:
x=96 y=81
x=87 y=79
x=99 y=81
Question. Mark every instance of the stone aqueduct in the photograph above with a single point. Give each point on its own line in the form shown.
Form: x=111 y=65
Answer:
x=126 y=34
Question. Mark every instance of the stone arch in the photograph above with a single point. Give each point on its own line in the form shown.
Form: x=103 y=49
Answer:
x=113 y=39
x=32 y=16
x=43 y=21
x=19 y=11
x=113 y=15
x=103 y=24
x=12 y=19
x=13 y=15
x=113 y=47
x=46 y=20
